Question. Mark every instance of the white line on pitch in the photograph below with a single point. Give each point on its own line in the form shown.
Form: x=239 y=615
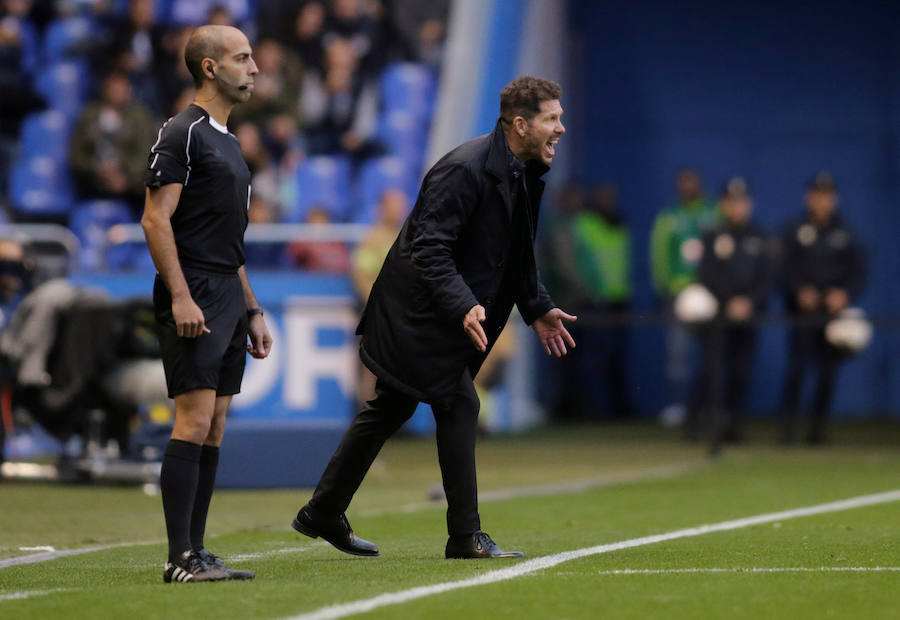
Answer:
x=15 y=596
x=755 y=569
x=343 y=610
x=665 y=471
x=660 y=472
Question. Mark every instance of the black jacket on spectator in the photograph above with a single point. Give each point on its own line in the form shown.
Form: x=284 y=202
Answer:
x=469 y=240
x=829 y=257
x=737 y=261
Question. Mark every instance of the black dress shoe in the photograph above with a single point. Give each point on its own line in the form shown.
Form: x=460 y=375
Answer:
x=478 y=545
x=336 y=530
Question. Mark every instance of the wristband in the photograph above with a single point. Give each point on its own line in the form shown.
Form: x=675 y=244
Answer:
x=253 y=311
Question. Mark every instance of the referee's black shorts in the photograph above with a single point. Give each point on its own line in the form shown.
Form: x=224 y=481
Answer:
x=211 y=361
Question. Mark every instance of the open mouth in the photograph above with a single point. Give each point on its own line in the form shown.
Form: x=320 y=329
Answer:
x=550 y=148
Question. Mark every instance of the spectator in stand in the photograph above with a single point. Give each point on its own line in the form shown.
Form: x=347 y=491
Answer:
x=223 y=12
x=307 y=36
x=266 y=179
x=173 y=77
x=421 y=26
x=18 y=61
x=219 y=15
x=320 y=256
x=824 y=270
x=109 y=142
x=369 y=254
x=340 y=106
x=19 y=41
x=675 y=253
x=352 y=22
x=263 y=254
x=183 y=100
x=737 y=268
x=275 y=106
x=135 y=48
x=366 y=261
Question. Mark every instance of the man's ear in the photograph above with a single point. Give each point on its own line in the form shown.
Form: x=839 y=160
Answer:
x=521 y=125
x=210 y=70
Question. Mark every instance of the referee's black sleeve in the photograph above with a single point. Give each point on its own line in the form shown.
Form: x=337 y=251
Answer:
x=169 y=160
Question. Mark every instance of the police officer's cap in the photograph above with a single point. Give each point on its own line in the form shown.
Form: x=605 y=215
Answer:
x=735 y=187
x=822 y=182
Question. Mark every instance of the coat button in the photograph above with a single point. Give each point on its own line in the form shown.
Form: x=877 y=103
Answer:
x=500 y=264
x=488 y=301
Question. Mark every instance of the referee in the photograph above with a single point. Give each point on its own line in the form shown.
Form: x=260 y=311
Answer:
x=198 y=192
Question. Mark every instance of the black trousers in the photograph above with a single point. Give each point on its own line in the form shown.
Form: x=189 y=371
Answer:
x=721 y=386
x=380 y=418
x=808 y=346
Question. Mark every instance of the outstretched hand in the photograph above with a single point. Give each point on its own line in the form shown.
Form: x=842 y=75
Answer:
x=552 y=333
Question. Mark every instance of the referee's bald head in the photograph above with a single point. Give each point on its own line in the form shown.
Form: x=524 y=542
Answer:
x=207 y=42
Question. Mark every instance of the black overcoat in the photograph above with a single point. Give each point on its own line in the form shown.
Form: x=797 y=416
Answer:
x=459 y=247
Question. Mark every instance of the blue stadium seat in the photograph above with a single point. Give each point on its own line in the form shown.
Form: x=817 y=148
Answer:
x=408 y=87
x=405 y=136
x=162 y=9
x=375 y=177
x=64 y=34
x=65 y=85
x=90 y=221
x=40 y=187
x=194 y=12
x=46 y=134
x=322 y=181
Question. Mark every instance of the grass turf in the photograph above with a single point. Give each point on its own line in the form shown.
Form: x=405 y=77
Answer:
x=296 y=574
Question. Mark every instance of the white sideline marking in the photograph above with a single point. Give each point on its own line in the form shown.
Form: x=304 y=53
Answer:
x=40 y=548
x=664 y=471
x=530 y=566
x=264 y=554
x=14 y=596
x=34 y=558
x=576 y=486
x=794 y=569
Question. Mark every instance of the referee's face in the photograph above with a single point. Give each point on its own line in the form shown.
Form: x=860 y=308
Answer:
x=236 y=67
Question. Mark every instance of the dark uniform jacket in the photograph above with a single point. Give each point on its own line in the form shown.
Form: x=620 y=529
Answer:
x=829 y=257
x=469 y=240
x=737 y=261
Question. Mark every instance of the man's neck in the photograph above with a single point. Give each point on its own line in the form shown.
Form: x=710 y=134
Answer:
x=214 y=105
x=515 y=145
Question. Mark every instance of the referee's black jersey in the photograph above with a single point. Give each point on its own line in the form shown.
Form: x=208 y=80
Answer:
x=211 y=217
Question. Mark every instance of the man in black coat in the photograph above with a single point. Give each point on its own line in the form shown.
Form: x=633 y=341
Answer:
x=463 y=258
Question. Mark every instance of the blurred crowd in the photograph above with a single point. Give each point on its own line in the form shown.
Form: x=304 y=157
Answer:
x=714 y=270
x=344 y=93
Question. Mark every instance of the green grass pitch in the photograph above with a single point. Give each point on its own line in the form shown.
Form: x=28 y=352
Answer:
x=616 y=482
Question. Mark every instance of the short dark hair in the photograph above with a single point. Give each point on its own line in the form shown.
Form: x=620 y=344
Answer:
x=523 y=97
x=204 y=42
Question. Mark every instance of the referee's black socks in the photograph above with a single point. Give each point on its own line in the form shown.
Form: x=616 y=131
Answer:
x=209 y=461
x=178 y=481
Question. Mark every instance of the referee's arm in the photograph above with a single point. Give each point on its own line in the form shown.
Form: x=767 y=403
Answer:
x=159 y=205
x=260 y=339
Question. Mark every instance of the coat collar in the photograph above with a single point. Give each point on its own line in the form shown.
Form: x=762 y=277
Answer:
x=501 y=162
x=504 y=166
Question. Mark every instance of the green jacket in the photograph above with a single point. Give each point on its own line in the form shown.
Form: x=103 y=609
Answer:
x=675 y=245
x=602 y=258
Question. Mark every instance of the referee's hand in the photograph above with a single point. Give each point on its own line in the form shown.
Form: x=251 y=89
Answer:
x=189 y=321
x=260 y=338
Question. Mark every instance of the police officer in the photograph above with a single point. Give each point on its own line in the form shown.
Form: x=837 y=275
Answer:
x=824 y=270
x=736 y=267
